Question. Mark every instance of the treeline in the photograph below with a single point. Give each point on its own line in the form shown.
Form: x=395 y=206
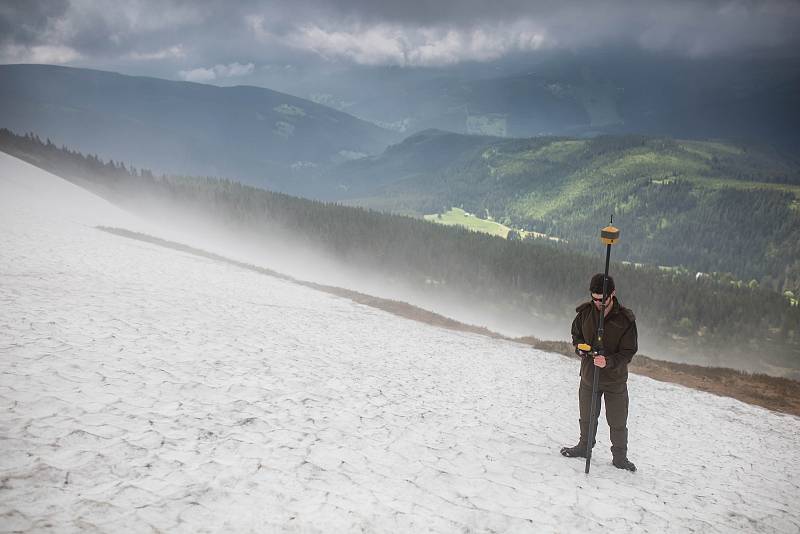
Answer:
x=524 y=276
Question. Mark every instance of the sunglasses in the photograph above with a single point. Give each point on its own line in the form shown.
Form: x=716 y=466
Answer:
x=599 y=299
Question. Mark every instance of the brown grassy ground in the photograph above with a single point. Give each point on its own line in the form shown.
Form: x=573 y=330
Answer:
x=778 y=394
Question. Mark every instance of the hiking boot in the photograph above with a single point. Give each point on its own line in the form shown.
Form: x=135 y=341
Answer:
x=578 y=451
x=624 y=463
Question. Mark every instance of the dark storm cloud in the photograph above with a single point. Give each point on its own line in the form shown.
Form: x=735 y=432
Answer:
x=24 y=22
x=447 y=31
x=449 y=12
x=216 y=35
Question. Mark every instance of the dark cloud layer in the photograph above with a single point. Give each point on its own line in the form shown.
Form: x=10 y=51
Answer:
x=225 y=37
x=23 y=22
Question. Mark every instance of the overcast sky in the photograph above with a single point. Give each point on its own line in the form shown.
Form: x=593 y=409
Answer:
x=220 y=42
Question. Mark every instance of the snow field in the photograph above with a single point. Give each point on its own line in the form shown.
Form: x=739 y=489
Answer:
x=144 y=389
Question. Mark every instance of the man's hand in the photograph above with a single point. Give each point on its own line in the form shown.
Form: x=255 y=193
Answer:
x=600 y=360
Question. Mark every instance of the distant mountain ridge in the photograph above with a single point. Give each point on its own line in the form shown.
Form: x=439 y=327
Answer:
x=251 y=134
x=585 y=94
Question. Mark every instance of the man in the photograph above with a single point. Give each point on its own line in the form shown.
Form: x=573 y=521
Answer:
x=619 y=346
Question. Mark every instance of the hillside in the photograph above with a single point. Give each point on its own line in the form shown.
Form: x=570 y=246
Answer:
x=252 y=134
x=705 y=206
x=150 y=389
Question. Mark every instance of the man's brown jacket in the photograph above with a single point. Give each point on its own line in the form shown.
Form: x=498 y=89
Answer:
x=619 y=341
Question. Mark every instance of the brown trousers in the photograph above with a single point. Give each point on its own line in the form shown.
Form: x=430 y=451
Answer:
x=616 y=397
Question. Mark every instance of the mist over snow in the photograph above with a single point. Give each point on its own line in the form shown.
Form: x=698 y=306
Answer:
x=146 y=388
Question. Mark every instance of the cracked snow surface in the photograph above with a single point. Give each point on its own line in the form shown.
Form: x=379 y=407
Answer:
x=145 y=389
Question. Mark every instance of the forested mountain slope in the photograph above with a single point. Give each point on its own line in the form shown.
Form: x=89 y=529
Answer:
x=706 y=206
